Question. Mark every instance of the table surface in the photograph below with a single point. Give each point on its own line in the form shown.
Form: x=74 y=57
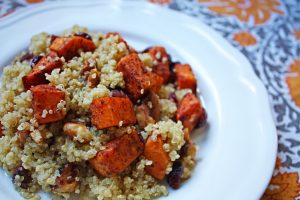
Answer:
x=267 y=32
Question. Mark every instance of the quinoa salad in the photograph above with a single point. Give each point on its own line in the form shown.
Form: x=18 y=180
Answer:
x=86 y=116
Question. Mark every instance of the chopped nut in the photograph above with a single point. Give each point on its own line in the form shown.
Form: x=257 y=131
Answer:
x=38 y=136
x=78 y=132
x=67 y=181
x=22 y=136
x=93 y=78
x=143 y=116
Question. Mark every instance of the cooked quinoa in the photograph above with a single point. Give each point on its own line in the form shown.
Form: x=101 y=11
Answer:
x=37 y=154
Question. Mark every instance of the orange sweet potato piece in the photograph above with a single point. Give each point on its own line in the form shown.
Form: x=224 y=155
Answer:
x=118 y=154
x=37 y=75
x=111 y=111
x=155 y=82
x=160 y=159
x=162 y=62
x=189 y=111
x=45 y=99
x=185 y=77
x=68 y=47
x=137 y=79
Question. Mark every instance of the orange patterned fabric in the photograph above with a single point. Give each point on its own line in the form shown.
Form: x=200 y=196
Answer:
x=293 y=81
x=297 y=34
x=162 y=2
x=244 y=38
x=284 y=186
x=244 y=10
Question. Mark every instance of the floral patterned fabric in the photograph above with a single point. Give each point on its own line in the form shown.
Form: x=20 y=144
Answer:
x=267 y=32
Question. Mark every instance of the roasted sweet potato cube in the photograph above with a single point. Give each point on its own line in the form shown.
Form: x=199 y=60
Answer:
x=137 y=79
x=155 y=82
x=45 y=100
x=112 y=111
x=66 y=182
x=133 y=73
x=118 y=154
x=37 y=75
x=68 y=47
x=155 y=152
x=185 y=77
x=161 y=62
x=189 y=111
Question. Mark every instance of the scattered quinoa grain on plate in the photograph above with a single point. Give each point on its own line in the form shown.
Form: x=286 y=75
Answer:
x=86 y=116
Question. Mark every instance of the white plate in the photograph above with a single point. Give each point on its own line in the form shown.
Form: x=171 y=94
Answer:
x=239 y=148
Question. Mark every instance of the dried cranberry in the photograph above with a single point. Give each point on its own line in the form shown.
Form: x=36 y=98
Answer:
x=202 y=120
x=172 y=97
x=53 y=37
x=169 y=58
x=84 y=35
x=172 y=78
x=172 y=65
x=174 y=177
x=141 y=138
x=184 y=149
x=35 y=60
x=27 y=56
x=21 y=171
x=51 y=141
x=118 y=93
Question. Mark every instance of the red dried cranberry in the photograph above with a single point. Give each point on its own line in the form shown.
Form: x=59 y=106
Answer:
x=27 y=56
x=35 y=60
x=184 y=149
x=202 y=120
x=172 y=97
x=141 y=138
x=21 y=171
x=172 y=78
x=172 y=65
x=84 y=35
x=53 y=37
x=169 y=58
x=174 y=177
x=118 y=93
